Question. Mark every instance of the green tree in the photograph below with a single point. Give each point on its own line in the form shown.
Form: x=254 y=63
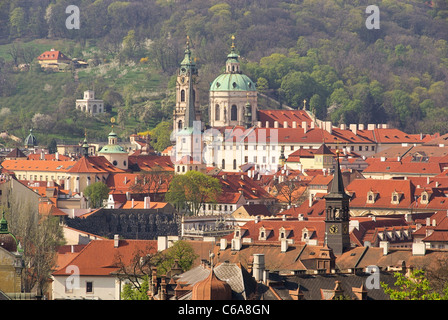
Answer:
x=414 y=287
x=182 y=252
x=160 y=136
x=136 y=293
x=192 y=190
x=17 y=22
x=96 y=193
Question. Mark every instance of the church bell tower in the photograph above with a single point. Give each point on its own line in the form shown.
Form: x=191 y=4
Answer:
x=187 y=103
x=337 y=217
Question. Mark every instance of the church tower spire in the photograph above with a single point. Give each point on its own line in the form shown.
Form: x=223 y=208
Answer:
x=337 y=218
x=186 y=110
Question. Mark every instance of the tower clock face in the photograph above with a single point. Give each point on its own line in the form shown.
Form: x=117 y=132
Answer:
x=333 y=229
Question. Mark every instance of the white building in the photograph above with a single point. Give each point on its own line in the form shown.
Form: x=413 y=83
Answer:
x=89 y=104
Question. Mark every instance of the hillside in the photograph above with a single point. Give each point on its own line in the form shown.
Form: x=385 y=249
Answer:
x=318 y=50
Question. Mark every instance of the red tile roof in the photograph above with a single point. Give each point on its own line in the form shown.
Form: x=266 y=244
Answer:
x=93 y=164
x=151 y=162
x=38 y=165
x=283 y=115
x=100 y=258
x=252 y=230
x=53 y=55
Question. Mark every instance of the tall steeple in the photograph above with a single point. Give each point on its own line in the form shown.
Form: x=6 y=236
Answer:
x=185 y=111
x=337 y=203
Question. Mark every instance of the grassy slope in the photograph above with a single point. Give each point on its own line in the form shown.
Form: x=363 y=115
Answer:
x=42 y=92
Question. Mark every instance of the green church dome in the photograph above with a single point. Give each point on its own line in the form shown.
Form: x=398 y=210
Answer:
x=232 y=82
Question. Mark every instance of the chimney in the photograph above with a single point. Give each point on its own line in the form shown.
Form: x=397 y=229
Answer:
x=385 y=246
x=132 y=203
x=162 y=243
x=276 y=124
x=257 y=219
x=285 y=124
x=236 y=244
x=116 y=241
x=284 y=217
x=343 y=126
x=310 y=200
x=304 y=126
x=147 y=202
x=223 y=244
x=418 y=249
x=353 y=128
x=428 y=222
x=258 y=267
x=267 y=124
x=294 y=124
x=163 y=288
x=284 y=245
x=56 y=155
x=312 y=125
x=361 y=126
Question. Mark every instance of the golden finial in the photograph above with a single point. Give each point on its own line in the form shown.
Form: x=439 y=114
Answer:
x=112 y=120
x=233 y=42
x=304 y=104
x=188 y=40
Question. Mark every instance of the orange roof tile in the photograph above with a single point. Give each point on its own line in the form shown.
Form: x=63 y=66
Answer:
x=93 y=164
x=53 y=55
x=38 y=165
x=101 y=258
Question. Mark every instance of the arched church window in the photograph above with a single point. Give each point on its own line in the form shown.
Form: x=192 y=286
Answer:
x=217 y=112
x=182 y=95
x=234 y=164
x=179 y=124
x=234 y=113
x=223 y=163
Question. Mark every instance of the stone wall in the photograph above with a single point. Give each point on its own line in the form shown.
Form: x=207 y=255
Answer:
x=145 y=224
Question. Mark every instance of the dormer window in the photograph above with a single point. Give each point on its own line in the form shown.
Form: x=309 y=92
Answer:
x=263 y=233
x=283 y=234
x=424 y=198
x=238 y=233
x=371 y=197
x=395 y=198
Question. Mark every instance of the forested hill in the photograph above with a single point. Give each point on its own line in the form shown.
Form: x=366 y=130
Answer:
x=318 y=50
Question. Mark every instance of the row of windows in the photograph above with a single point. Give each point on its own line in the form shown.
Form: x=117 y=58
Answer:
x=41 y=177
x=233 y=113
x=246 y=160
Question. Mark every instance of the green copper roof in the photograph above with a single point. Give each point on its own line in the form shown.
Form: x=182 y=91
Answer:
x=111 y=148
x=31 y=139
x=232 y=82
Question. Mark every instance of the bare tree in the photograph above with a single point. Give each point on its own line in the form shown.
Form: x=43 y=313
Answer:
x=152 y=182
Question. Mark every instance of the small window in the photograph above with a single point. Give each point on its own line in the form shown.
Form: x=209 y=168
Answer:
x=89 y=287
x=182 y=95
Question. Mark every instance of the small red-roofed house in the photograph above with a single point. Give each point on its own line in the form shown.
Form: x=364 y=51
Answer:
x=53 y=59
x=93 y=272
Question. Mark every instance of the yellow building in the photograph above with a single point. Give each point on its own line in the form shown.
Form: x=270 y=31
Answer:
x=54 y=60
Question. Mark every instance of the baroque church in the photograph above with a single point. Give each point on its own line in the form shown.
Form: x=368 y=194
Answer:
x=232 y=104
x=232 y=95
